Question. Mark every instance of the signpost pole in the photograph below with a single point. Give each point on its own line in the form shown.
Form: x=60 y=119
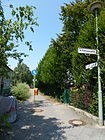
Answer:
x=34 y=88
x=96 y=7
x=99 y=77
x=34 y=72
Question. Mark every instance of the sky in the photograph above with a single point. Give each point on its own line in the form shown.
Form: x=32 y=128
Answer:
x=50 y=25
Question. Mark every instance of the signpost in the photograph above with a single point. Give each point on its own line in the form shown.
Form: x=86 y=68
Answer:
x=95 y=7
x=90 y=66
x=86 y=51
x=34 y=72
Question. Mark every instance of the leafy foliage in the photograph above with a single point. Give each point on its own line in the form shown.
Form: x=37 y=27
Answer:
x=57 y=63
x=4 y=121
x=22 y=74
x=62 y=58
x=12 y=31
x=53 y=68
x=21 y=91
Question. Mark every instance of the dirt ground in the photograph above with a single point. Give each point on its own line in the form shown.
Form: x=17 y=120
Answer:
x=45 y=119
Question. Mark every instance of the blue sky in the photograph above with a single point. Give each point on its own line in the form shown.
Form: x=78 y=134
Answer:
x=47 y=12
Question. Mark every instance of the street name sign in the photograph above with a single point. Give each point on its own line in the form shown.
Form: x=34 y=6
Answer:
x=86 y=51
x=90 y=66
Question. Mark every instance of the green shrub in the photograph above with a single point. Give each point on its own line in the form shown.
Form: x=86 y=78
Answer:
x=74 y=97
x=81 y=98
x=21 y=91
x=4 y=121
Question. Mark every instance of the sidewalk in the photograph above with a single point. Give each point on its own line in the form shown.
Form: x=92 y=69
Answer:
x=45 y=119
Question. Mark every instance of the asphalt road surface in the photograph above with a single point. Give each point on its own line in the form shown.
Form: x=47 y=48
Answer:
x=47 y=119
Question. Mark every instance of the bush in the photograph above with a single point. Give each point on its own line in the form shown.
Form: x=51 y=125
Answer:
x=21 y=91
x=81 y=98
x=4 y=121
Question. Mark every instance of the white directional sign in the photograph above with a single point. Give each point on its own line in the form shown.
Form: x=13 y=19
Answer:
x=92 y=65
x=86 y=51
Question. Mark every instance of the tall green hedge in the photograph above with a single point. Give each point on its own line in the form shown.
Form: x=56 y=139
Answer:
x=84 y=99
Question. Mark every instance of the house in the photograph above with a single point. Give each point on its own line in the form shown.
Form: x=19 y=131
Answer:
x=6 y=83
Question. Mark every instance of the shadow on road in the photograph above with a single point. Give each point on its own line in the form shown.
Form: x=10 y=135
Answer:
x=33 y=126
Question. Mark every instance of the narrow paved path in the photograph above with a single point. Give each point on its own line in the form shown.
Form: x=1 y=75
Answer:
x=45 y=119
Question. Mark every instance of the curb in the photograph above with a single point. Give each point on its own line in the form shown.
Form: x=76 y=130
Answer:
x=82 y=112
x=90 y=116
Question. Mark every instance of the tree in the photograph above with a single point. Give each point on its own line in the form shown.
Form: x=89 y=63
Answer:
x=22 y=74
x=57 y=63
x=52 y=69
x=74 y=16
x=12 y=31
x=87 y=39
